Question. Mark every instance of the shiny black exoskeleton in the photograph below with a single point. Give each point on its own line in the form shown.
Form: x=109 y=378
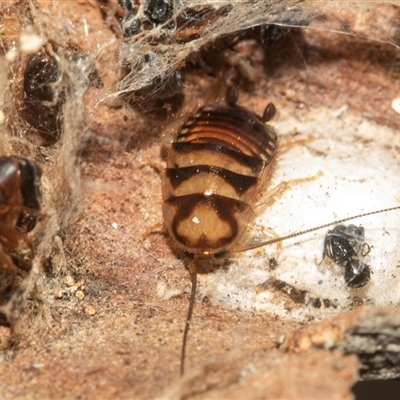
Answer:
x=42 y=93
x=345 y=245
x=41 y=105
x=356 y=273
x=156 y=12
x=345 y=242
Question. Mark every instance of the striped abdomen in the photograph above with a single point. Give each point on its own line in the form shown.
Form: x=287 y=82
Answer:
x=215 y=168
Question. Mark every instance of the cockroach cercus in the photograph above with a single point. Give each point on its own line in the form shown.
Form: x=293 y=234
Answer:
x=220 y=160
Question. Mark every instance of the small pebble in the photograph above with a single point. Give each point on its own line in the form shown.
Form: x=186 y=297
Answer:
x=396 y=105
x=69 y=280
x=80 y=283
x=80 y=295
x=90 y=310
x=58 y=292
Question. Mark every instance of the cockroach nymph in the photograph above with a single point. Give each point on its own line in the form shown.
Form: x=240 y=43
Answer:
x=220 y=160
x=20 y=198
x=215 y=168
x=345 y=245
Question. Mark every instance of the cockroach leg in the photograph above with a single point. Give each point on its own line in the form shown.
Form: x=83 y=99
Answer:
x=272 y=195
x=156 y=228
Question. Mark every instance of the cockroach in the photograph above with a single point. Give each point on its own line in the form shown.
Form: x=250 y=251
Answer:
x=215 y=169
x=216 y=166
x=221 y=158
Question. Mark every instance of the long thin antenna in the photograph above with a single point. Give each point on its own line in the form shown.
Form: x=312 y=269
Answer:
x=193 y=275
x=294 y=234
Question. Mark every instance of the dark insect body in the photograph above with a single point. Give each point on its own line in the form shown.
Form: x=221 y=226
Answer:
x=344 y=242
x=356 y=273
x=41 y=89
x=42 y=107
x=156 y=12
x=20 y=197
x=270 y=34
x=345 y=245
x=179 y=24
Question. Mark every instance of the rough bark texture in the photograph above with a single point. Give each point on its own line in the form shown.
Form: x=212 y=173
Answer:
x=375 y=340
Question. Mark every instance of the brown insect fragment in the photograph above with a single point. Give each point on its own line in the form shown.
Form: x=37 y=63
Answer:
x=20 y=196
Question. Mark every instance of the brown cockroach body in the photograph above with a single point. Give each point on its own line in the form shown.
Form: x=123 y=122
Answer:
x=216 y=166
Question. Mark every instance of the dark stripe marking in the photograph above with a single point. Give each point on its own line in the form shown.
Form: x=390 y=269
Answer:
x=236 y=123
x=241 y=183
x=256 y=164
x=224 y=207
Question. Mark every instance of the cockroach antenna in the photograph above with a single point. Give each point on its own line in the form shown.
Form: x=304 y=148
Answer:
x=316 y=228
